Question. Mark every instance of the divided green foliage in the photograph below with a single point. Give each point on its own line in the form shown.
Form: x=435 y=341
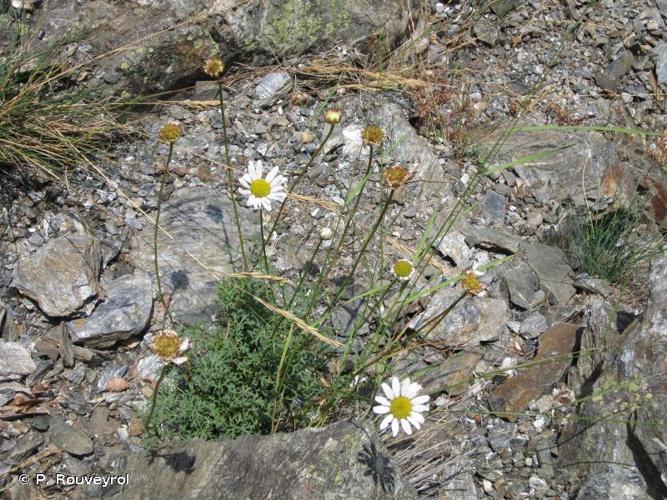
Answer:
x=228 y=386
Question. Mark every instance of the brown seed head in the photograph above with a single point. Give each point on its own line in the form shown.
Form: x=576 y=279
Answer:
x=170 y=132
x=372 y=135
x=214 y=67
x=396 y=176
x=472 y=284
x=167 y=345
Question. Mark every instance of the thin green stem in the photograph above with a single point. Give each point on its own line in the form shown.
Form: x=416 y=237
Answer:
x=329 y=264
x=303 y=273
x=261 y=230
x=163 y=181
x=163 y=373
x=299 y=176
x=230 y=178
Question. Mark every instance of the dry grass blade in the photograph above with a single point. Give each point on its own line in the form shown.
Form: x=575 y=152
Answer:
x=302 y=325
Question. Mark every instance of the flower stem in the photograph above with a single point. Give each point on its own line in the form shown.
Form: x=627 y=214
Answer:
x=163 y=373
x=298 y=179
x=336 y=253
x=163 y=181
x=230 y=179
x=261 y=229
x=304 y=271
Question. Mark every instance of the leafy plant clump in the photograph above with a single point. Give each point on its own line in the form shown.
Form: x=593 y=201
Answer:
x=608 y=246
x=228 y=387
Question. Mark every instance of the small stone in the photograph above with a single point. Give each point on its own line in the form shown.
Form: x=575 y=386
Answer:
x=272 y=87
x=487 y=33
x=533 y=325
x=41 y=423
x=70 y=439
x=453 y=245
x=494 y=206
x=15 y=361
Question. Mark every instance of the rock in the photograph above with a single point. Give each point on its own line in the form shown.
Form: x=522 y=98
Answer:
x=26 y=446
x=552 y=360
x=69 y=439
x=201 y=224
x=502 y=7
x=553 y=271
x=660 y=55
x=472 y=320
x=533 y=325
x=521 y=283
x=443 y=372
x=74 y=264
x=453 y=245
x=627 y=459
x=574 y=172
x=610 y=79
x=494 y=207
x=272 y=87
x=410 y=149
x=15 y=361
x=487 y=33
x=500 y=435
x=309 y=463
x=125 y=311
x=491 y=239
x=177 y=37
x=593 y=285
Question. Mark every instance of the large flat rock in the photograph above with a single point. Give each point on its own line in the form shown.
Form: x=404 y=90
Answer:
x=322 y=463
x=202 y=245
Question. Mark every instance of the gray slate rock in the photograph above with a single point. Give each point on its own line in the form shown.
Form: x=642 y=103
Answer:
x=70 y=439
x=61 y=276
x=15 y=361
x=201 y=223
x=552 y=269
x=533 y=325
x=272 y=87
x=453 y=245
x=621 y=458
x=660 y=54
x=321 y=463
x=125 y=311
x=494 y=207
x=491 y=239
x=521 y=283
x=472 y=320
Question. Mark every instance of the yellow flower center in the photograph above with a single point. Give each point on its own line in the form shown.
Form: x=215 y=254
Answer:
x=170 y=132
x=260 y=188
x=166 y=345
x=471 y=283
x=400 y=407
x=403 y=268
x=372 y=134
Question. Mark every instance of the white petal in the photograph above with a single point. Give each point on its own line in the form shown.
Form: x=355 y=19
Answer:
x=420 y=400
x=385 y=421
x=414 y=421
x=382 y=401
x=405 y=386
x=406 y=426
x=395 y=386
x=381 y=410
x=387 y=391
x=419 y=408
x=179 y=361
x=394 y=427
x=266 y=204
x=184 y=345
x=272 y=175
x=411 y=390
x=417 y=417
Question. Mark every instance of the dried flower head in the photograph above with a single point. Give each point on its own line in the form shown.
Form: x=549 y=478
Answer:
x=214 y=67
x=169 y=346
x=372 y=135
x=396 y=176
x=471 y=283
x=170 y=132
x=658 y=150
x=403 y=269
x=333 y=116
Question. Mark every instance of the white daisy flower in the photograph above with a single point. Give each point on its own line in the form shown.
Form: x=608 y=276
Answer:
x=401 y=406
x=261 y=191
x=169 y=347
